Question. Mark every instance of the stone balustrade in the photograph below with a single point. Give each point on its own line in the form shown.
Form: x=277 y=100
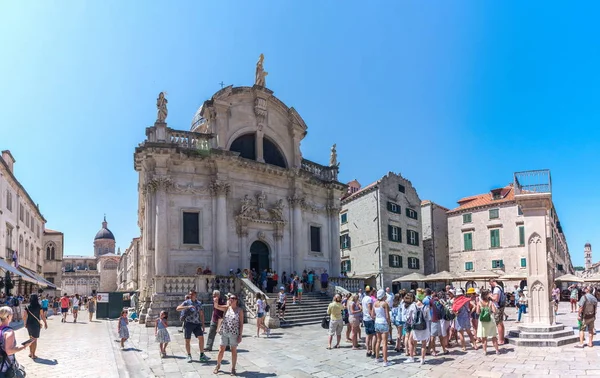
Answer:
x=203 y=284
x=320 y=171
x=352 y=285
x=248 y=298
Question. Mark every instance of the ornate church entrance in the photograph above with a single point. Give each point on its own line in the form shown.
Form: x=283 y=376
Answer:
x=259 y=256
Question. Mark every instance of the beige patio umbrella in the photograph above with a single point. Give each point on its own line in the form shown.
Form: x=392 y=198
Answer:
x=441 y=276
x=472 y=276
x=593 y=278
x=513 y=276
x=410 y=278
x=569 y=278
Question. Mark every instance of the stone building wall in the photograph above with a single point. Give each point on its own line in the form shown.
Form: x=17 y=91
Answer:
x=435 y=237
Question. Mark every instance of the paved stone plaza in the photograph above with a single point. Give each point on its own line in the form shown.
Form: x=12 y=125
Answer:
x=89 y=350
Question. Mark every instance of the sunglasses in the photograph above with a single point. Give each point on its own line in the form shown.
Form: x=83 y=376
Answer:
x=233 y=298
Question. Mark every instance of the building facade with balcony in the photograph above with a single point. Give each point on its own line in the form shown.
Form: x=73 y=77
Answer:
x=22 y=230
x=234 y=192
x=486 y=232
x=128 y=272
x=434 y=219
x=381 y=230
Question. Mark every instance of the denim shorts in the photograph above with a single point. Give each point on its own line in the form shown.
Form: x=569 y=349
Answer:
x=229 y=339
x=369 y=327
x=382 y=327
x=260 y=315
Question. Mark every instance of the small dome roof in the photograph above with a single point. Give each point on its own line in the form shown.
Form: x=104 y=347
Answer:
x=198 y=119
x=588 y=245
x=104 y=233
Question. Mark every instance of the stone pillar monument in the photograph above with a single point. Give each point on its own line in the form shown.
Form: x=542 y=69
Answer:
x=219 y=189
x=533 y=193
x=298 y=257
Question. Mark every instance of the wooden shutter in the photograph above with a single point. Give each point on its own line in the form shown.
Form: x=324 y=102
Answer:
x=389 y=206
x=416 y=238
x=391 y=260
x=348 y=239
x=418 y=265
x=522 y=235
x=390 y=231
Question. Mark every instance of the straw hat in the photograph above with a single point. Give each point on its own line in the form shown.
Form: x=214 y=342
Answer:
x=470 y=291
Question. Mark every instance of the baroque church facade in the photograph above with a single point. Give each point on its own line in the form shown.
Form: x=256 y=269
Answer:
x=235 y=191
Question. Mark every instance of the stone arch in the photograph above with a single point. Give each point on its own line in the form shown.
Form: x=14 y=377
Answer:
x=533 y=246
x=260 y=255
x=269 y=138
x=50 y=251
x=272 y=153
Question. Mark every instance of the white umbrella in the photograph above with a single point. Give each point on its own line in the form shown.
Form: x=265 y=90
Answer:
x=410 y=278
x=441 y=276
x=569 y=278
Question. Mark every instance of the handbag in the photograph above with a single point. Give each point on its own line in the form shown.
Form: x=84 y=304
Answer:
x=325 y=322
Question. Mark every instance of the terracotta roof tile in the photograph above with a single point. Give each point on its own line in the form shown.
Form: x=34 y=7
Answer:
x=362 y=190
x=507 y=194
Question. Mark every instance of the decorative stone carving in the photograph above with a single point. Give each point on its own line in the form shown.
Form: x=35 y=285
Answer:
x=537 y=286
x=296 y=200
x=260 y=108
x=189 y=189
x=251 y=211
x=219 y=188
x=261 y=235
x=161 y=105
x=333 y=210
x=159 y=182
x=261 y=74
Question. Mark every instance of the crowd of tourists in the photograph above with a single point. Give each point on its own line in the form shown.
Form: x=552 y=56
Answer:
x=423 y=322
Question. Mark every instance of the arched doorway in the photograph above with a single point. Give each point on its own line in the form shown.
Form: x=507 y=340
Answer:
x=259 y=256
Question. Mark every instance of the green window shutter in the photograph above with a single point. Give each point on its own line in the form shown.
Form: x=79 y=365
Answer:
x=348 y=240
x=389 y=206
x=523 y=262
x=342 y=241
x=390 y=232
x=468 y=238
x=495 y=238
x=400 y=259
x=416 y=238
x=418 y=265
x=399 y=235
x=522 y=235
x=407 y=212
x=390 y=260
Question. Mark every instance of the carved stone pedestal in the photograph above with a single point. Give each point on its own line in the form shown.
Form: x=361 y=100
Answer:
x=542 y=336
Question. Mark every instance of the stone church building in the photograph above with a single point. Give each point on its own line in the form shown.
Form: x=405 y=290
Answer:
x=235 y=191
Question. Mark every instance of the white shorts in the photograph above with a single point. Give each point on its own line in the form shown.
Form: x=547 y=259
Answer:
x=445 y=327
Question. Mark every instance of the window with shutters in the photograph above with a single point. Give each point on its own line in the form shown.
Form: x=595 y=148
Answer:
x=346 y=266
x=393 y=207
x=468 y=241
x=9 y=201
x=413 y=263
x=412 y=237
x=345 y=241
x=191 y=227
x=497 y=264
x=559 y=267
x=401 y=188
x=495 y=238
x=27 y=218
x=395 y=261
x=519 y=210
x=411 y=213
x=521 y=235
x=315 y=239
x=467 y=218
x=469 y=265
x=523 y=262
x=21 y=213
x=494 y=214
x=344 y=218
x=394 y=234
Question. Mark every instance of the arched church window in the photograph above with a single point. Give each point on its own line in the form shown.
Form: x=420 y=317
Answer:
x=245 y=145
x=49 y=253
x=271 y=154
x=110 y=265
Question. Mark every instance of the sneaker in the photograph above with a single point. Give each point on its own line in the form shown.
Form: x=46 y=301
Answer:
x=380 y=360
x=203 y=357
x=268 y=332
x=421 y=361
x=189 y=358
x=409 y=360
x=389 y=363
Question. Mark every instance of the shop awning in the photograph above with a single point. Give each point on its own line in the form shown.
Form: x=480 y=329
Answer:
x=4 y=265
x=41 y=281
x=410 y=278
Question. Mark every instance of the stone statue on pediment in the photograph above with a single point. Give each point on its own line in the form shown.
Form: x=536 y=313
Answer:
x=261 y=74
x=161 y=105
x=333 y=158
x=277 y=211
x=246 y=205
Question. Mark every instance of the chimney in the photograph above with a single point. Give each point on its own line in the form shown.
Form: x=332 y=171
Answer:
x=8 y=159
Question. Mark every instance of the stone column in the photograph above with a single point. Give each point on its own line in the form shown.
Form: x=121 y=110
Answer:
x=335 y=257
x=298 y=252
x=260 y=111
x=278 y=236
x=259 y=144
x=535 y=207
x=219 y=190
x=242 y=232
x=159 y=186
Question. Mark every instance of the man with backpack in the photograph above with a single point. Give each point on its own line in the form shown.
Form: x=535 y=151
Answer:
x=588 y=305
x=193 y=315
x=499 y=299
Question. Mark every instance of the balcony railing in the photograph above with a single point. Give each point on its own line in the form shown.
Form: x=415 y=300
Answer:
x=320 y=171
x=532 y=182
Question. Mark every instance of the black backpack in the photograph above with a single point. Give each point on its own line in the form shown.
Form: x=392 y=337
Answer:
x=419 y=324
x=15 y=302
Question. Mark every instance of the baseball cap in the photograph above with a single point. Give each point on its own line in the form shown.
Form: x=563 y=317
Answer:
x=282 y=288
x=367 y=288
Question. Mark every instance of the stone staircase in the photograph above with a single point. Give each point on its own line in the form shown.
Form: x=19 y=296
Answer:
x=542 y=336
x=310 y=311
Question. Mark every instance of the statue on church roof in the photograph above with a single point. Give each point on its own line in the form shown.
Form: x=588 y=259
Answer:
x=161 y=105
x=333 y=158
x=261 y=74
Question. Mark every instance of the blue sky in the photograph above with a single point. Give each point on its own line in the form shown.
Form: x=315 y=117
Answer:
x=456 y=96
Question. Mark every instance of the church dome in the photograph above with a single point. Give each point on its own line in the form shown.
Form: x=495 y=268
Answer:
x=588 y=245
x=104 y=233
x=198 y=120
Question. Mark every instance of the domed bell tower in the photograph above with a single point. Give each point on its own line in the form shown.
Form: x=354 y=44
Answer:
x=104 y=242
x=587 y=254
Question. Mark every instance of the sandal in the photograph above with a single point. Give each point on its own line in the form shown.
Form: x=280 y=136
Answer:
x=217 y=368
x=233 y=372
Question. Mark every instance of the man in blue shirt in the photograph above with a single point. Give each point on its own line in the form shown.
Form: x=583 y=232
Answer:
x=194 y=323
x=324 y=282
